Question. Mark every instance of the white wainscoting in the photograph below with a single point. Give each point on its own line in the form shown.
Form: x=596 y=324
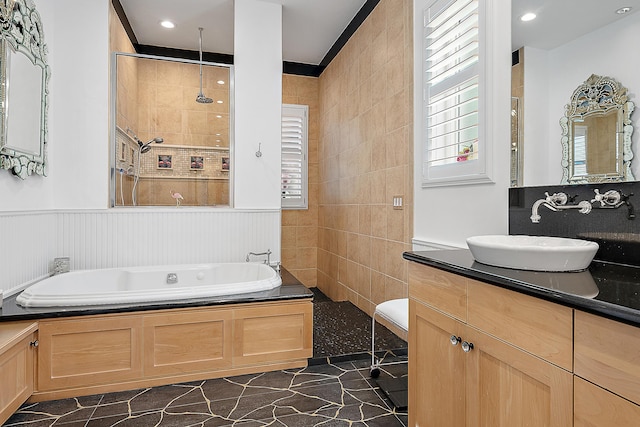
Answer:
x=424 y=245
x=128 y=237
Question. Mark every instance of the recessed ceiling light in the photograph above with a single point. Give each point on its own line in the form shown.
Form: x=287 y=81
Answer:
x=219 y=101
x=220 y=82
x=167 y=24
x=623 y=10
x=219 y=116
x=530 y=16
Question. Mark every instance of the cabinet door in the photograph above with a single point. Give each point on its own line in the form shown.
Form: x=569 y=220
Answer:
x=88 y=351
x=596 y=407
x=436 y=369
x=187 y=342
x=16 y=377
x=508 y=387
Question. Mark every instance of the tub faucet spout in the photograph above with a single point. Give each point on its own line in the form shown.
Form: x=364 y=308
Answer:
x=267 y=253
x=172 y=278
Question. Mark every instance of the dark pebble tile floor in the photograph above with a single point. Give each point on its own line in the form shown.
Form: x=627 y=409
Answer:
x=341 y=329
x=336 y=393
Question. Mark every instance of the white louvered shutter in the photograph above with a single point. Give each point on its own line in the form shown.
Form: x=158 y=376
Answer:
x=293 y=183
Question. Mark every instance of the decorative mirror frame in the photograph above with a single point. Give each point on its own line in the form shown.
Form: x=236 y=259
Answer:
x=598 y=95
x=21 y=28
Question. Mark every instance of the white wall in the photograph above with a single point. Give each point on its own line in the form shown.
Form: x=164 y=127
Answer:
x=78 y=112
x=258 y=103
x=608 y=51
x=38 y=215
x=448 y=215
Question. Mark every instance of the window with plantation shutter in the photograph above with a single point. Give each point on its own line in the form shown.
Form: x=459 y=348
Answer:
x=454 y=151
x=293 y=183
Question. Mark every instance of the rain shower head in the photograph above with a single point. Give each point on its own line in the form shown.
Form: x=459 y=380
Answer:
x=201 y=98
x=144 y=148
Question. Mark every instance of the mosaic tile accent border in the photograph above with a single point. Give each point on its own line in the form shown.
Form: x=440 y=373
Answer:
x=212 y=162
x=326 y=395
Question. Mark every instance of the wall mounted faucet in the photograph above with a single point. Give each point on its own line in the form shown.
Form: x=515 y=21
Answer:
x=557 y=202
x=611 y=199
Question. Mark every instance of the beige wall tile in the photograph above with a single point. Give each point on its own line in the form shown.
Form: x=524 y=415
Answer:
x=360 y=155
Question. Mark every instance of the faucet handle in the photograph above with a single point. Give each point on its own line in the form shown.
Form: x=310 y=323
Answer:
x=609 y=198
x=557 y=198
x=598 y=197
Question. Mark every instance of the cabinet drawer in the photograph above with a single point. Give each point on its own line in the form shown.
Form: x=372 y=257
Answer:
x=608 y=353
x=439 y=289
x=539 y=327
x=596 y=407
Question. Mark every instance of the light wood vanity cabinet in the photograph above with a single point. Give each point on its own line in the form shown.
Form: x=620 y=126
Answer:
x=18 y=341
x=468 y=364
x=97 y=354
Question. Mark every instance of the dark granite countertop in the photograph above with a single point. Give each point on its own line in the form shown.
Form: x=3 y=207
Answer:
x=290 y=289
x=607 y=289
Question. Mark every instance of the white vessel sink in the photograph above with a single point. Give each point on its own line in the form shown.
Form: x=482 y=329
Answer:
x=537 y=253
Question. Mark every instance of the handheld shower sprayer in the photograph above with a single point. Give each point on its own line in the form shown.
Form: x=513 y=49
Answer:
x=145 y=147
x=201 y=98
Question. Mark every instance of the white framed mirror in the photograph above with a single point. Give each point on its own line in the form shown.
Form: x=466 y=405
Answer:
x=24 y=94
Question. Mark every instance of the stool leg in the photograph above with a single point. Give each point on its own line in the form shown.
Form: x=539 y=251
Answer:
x=374 y=371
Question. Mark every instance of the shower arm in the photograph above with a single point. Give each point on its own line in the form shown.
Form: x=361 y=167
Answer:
x=200 y=50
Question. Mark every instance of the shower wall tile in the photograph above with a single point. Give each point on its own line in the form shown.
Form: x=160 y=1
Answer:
x=123 y=238
x=300 y=227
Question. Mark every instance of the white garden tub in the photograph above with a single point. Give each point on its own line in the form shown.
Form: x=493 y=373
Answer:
x=149 y=284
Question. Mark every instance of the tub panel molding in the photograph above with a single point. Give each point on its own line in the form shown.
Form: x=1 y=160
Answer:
x=175 y=343
x=89 y=350
x=264 y=335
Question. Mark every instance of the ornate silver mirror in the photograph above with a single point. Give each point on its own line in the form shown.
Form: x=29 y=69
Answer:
x=596 y=133
x=24 y=77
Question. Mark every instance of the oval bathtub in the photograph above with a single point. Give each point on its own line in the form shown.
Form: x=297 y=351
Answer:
x=149 y=284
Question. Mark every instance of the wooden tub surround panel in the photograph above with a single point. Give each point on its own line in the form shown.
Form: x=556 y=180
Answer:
x=105 y=353
x=262 y=335
x=89 y=350
x=185 y=342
